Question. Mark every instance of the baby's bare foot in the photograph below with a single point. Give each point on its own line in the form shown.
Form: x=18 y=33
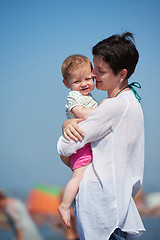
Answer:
x=65 y=214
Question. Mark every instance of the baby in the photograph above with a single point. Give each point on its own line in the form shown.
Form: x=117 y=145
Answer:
x=77 y=74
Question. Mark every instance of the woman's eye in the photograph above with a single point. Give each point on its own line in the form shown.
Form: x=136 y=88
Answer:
x=101 y=72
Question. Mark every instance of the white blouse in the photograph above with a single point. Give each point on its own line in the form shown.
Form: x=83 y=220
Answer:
x=105 y=198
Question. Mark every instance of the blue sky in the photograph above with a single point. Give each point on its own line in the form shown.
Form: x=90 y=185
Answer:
x=36 y=36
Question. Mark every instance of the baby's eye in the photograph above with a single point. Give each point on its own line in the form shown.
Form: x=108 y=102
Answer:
x=76 y=81
x=88 y=79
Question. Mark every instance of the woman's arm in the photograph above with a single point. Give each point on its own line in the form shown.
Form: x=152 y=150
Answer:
x=65 y=160
x=98 y=124
x=80 y=111
x=70 y=127
x=71 y=130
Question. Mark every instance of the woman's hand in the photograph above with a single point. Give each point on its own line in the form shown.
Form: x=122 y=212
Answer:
x=71 y=130
x=65 y=160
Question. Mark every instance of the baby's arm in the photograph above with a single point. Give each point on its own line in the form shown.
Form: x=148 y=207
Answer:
x=80 y=111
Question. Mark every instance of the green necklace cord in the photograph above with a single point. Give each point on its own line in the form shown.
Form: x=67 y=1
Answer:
x=131 y=86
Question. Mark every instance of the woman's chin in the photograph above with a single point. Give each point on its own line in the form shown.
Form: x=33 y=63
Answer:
x=98 y=86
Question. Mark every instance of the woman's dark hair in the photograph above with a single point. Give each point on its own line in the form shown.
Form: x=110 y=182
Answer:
x=119 y=52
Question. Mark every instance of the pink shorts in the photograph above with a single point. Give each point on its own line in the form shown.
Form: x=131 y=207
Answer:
x=82 y=157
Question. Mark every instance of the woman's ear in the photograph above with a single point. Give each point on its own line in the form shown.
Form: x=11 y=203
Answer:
x=65 y=83
x=123 y=73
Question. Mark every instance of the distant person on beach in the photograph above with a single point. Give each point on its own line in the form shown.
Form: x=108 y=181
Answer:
x=77 y=76
x=19 y=219
x=104 y=207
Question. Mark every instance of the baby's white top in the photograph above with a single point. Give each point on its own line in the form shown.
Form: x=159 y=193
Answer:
x=75 y=98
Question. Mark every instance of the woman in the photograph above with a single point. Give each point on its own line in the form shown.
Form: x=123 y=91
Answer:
x=104 y=206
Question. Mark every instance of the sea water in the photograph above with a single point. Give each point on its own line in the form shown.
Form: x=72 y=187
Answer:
x=152 y=226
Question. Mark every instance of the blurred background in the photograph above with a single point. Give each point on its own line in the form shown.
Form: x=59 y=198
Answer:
x=36 y=36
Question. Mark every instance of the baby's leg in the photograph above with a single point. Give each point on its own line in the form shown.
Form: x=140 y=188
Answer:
x=69 y=195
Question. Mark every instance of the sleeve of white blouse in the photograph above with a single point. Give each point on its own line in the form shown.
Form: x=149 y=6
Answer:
x=98 y=124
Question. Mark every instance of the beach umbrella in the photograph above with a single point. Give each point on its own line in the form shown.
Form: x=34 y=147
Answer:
x=44 y=199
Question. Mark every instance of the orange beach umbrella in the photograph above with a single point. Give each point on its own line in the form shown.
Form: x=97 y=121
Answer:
x=44 y=199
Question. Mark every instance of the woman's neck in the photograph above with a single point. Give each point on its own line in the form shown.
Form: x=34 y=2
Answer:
x=118 y=89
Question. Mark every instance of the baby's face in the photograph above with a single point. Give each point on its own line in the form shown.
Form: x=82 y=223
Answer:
x=81 y=80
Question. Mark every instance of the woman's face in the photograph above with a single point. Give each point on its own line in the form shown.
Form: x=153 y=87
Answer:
x=106 y=80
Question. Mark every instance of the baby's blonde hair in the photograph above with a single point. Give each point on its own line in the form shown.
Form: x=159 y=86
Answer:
x=72 y=63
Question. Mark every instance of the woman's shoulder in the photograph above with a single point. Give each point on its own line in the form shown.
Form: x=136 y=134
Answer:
x=125 y=98
x=119 y=100
x=115 y=106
